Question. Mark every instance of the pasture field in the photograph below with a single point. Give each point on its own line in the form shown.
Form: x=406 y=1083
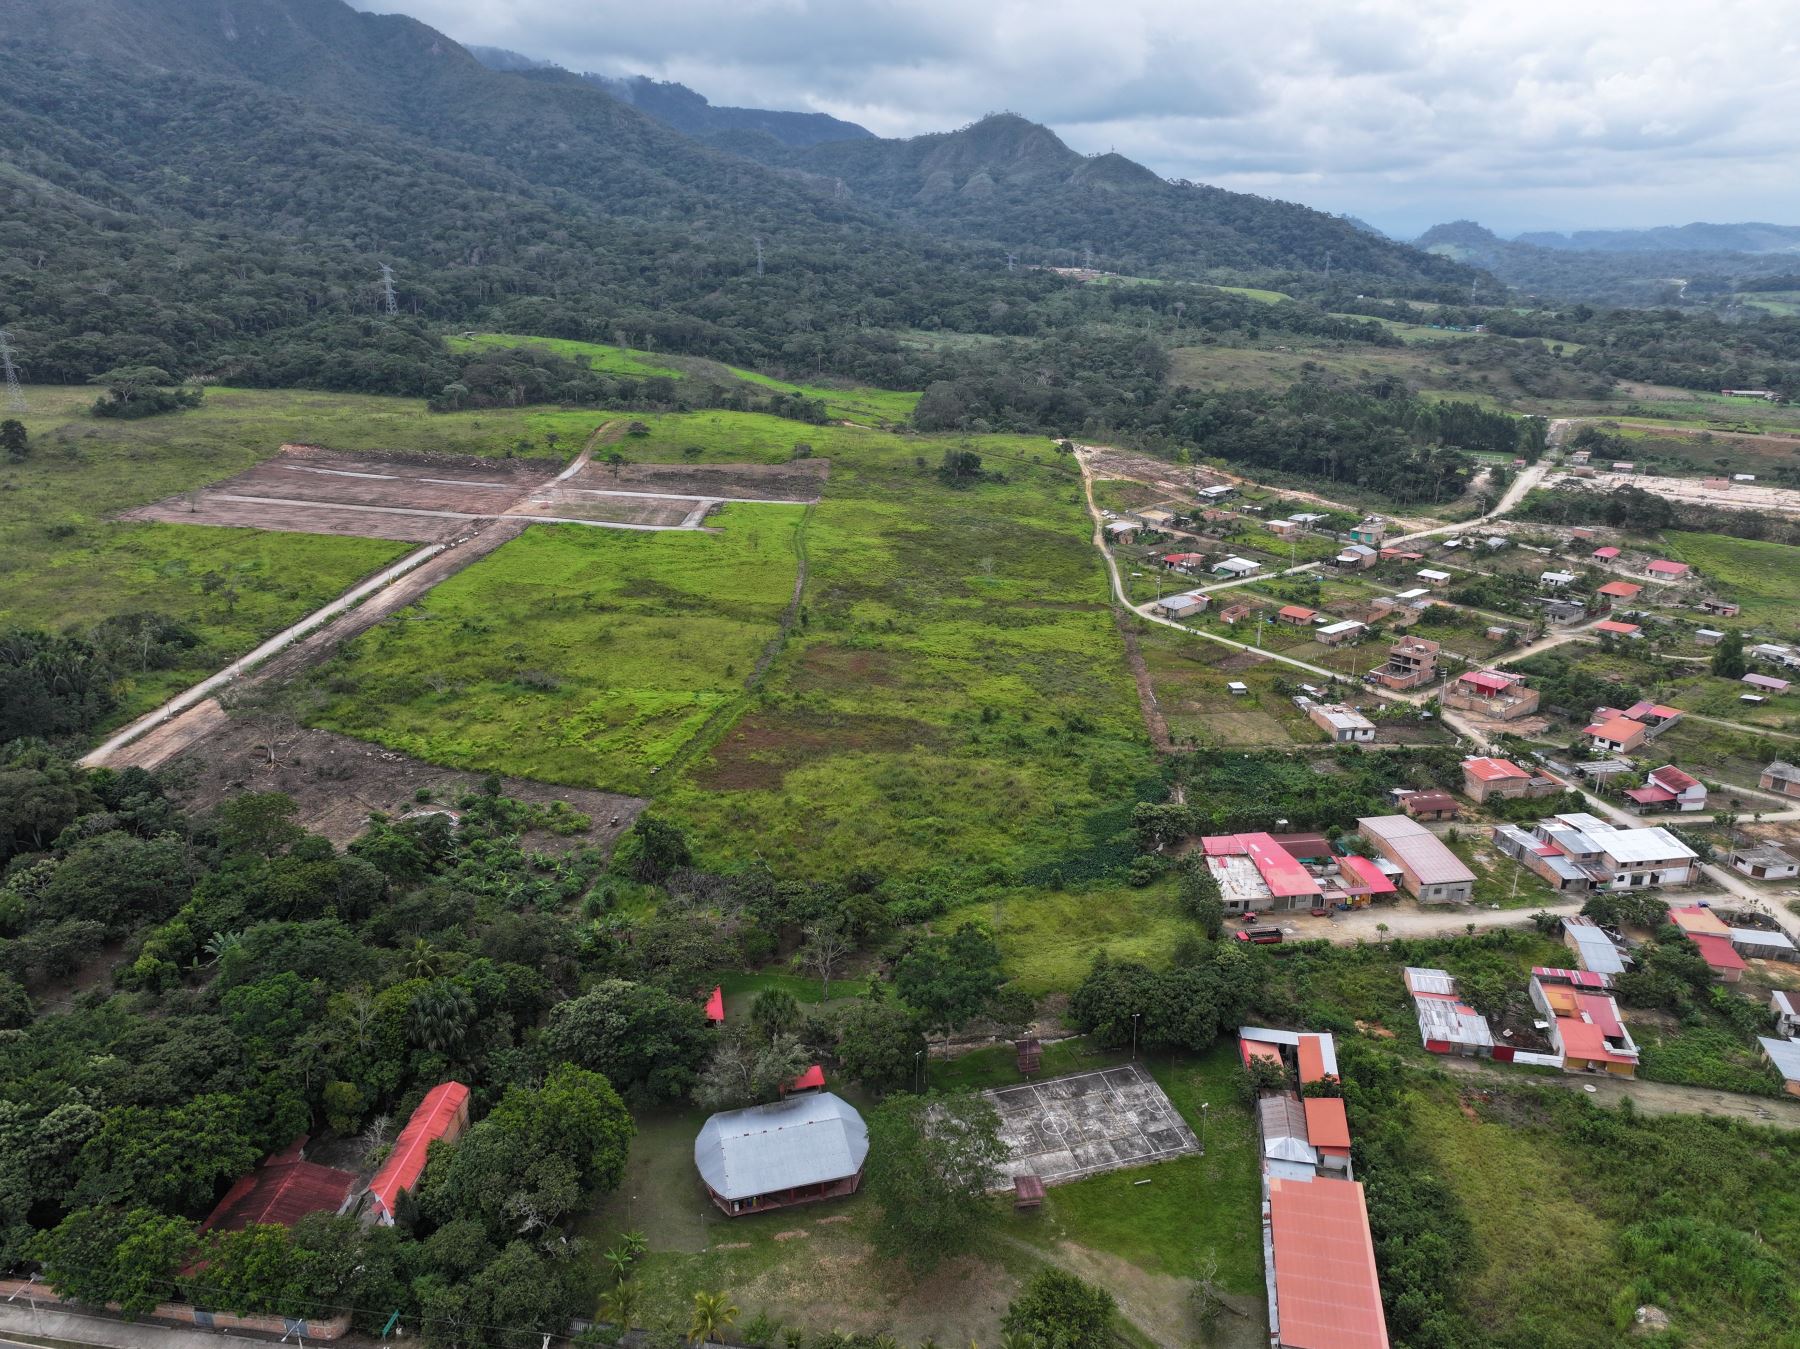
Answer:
x=65 y=564
x=1757 y=574
x=953 y=698
x=1190 y=674
x=1718 y=752
x=588 y=657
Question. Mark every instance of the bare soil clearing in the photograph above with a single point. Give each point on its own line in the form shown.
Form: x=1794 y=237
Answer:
x=338 y=781
x=1738 y=496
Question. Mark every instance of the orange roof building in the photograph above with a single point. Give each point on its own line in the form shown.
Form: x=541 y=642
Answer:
x=1323 y=1290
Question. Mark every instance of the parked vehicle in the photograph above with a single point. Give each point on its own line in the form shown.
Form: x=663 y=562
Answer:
x=1262 y=936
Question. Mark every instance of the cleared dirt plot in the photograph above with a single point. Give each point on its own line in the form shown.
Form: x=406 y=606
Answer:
x=307 y=490
x=337 y=782
x=1192 y=680
x=1065 y=1128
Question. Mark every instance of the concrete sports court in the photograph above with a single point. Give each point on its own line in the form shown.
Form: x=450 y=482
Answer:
x=1064 y=1128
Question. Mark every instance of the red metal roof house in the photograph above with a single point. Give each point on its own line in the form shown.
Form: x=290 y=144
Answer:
x=280 y=1192
x=442 y=1115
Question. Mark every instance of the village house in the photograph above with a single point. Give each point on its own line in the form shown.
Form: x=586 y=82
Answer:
x=1155 y=519
x=1235 y=566
x=1232 y=614
x=1184 y=605
x=1668 y=788
x=1498 y=694
x=1786 y=1010
x=1255 y=873
x=1721 y=608
x=1370 y=531
x=1708 y=636
x=1429 y=871
x=1447 y=1024
x=1357 y=556
x=1607 y=554
x=1344 y=725
x=1298 y=615
x=1484 y=778
x=1613 y=628
x=1616 y=592
x=1183 y=562
x=1282 y=528
x=1411 y=661
x=1555 y=580
x=1122 y=531
x=1581 y=853
x=1616 y=734
x=1712 y=938
x=1766 y=683
x=1764 y=862
x=1665 y=570
x=1585 y=1025
x=1784 y=1055
x=1336 y=634
x=441 y=1117
x=1562 y=612
x=1434 y=578
x=1430 y=805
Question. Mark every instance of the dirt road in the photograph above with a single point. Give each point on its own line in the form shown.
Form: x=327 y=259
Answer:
x=1654 y=1098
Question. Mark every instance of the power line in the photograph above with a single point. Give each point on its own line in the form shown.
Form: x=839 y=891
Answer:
x=15 y=396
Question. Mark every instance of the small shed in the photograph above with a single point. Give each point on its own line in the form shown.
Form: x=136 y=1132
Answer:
x=715 y=1006
x=1029 y=1054
x=1028 y=1191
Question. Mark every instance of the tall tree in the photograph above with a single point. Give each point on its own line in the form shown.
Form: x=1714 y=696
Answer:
x=931 y=1161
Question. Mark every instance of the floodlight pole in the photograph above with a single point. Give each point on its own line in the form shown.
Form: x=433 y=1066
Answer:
x=1134 y=1029
x=1204 y=1107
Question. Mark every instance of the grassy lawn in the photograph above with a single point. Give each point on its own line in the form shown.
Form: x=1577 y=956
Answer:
x=1717 y=752
x=1050 y=937
x=1758 y=575
x=583 y=656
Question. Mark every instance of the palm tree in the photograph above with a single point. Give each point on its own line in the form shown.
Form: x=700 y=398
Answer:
x=439 y=1017
x=621 y=1302
x=424 y=961
x=713 y=1314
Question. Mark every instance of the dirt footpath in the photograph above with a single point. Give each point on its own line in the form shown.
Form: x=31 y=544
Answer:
x=338 y=781
x=1655 y=1098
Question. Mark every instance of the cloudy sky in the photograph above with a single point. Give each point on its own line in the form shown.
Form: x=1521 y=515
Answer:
x=1530 y=114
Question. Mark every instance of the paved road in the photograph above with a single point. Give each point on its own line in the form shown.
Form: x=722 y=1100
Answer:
x=1655 y=1098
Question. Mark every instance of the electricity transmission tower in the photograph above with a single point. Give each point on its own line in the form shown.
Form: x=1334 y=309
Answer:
x=1328 y=265
x=1011 y=258
x=759 y=264
x=1087 y=256
x=387 y=290
x=15 y=396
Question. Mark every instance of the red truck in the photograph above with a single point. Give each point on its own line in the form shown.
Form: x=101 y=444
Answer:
x=1262 y=936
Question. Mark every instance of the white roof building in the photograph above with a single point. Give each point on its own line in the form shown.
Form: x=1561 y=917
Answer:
x=1236 y=566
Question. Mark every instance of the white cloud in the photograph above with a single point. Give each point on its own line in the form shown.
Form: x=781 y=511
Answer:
x=1535 y=113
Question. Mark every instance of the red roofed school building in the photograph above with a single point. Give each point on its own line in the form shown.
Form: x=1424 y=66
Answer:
x=1492 y=693
x=442 y=1115
x=280 y=1192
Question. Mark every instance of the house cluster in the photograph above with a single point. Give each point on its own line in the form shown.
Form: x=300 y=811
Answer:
x=287 y=1187
x=1581 y=853
x=1616 y=731
x=1318 y=1252
x=1727 y=949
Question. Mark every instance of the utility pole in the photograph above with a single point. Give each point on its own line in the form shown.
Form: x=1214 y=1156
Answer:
x=388 y=301
x=1204 y=1107
x=15 y=396
x=759 y=255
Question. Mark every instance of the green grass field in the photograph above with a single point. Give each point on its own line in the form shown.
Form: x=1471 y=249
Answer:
x=590 y=657
x=844 y=401
x=1758 y=575
x=64 y=564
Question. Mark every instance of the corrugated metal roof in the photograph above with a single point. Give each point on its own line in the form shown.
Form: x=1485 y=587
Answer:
x=1755 y=936
x=1327 y=1295
x=1283 y=1123
x=803 y=1140
x=1420 y=850
x=437 y=1117
x=1784 y=1054
x=283 y=1190
x=1598 y=953
x=1326 y=1124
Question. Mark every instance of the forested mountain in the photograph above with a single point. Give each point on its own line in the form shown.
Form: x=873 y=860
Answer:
x=1664 y=266
x=1012 y=182
x=211 y=185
